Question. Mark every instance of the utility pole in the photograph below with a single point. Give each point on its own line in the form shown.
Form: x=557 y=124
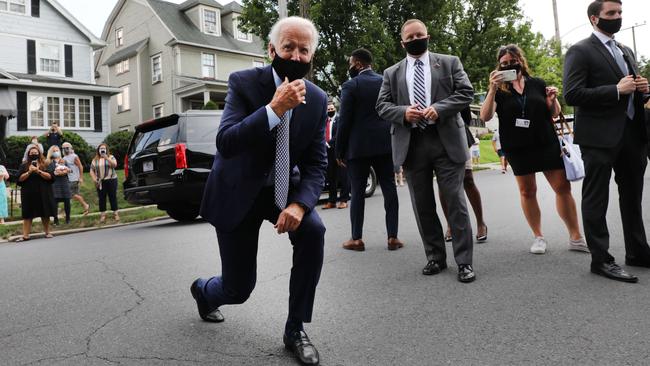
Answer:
x=634 y=35
x=557 y=29
x=282 y=8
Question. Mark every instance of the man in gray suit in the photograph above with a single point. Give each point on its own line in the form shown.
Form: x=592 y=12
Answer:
x=422 y=96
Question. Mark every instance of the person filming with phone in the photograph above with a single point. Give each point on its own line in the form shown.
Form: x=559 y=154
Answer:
x=525 y=106
x=37 y=199
x=103 y=174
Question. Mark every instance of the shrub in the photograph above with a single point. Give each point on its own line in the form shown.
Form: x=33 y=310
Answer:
x=15 y=149
x=118 y=143
x=210 y=105
x=486 y=136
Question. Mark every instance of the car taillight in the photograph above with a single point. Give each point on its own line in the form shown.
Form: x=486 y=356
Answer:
x=126 y=166
x=181 y=157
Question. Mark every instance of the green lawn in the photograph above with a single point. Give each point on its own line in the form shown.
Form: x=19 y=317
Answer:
x=487 y=153
x=88 y=192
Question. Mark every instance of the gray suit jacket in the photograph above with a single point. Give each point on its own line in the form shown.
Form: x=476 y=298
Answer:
x=451 y=92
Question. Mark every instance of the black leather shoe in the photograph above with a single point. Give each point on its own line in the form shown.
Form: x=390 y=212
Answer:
x=466 y=273
x=213 y=316
x=298 y=342
x=433 y=268
x=613 y=271
x=637 y=263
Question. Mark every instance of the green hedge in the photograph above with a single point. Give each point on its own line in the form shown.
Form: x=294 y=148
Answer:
x=15 y=148
x=486 y=136
x=80 y=147
x=118 y=143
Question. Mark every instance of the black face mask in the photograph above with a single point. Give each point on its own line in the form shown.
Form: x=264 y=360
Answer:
x=610 y=26
x=331 y=114
x=353 y=72
x=33 y=157
x=417 y=47
x=293 y=70
x=511 y=67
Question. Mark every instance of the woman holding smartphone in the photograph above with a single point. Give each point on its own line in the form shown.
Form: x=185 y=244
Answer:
x=525 y=107
x=102 y=171
x=37 y=200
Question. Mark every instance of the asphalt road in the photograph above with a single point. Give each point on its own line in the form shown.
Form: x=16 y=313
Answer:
x=121 y=296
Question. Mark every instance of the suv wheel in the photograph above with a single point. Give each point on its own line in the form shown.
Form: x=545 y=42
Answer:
x=183 y=214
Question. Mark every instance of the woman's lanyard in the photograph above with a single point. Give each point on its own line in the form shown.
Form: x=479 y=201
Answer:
x=521 y=99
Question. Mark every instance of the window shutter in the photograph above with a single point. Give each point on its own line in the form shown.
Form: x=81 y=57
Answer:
x=68 y=60
x=31 y=56
x=36 y=8
x=21 y=110
x=97 y=106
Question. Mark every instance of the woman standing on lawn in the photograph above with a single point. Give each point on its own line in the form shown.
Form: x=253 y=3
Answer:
x=61 y=186
x=76 y=175
x=102 y=171
x=4 y=176
x=35 y=178
x=525 y=107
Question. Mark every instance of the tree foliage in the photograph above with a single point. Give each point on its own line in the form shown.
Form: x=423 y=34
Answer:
x=470 y=29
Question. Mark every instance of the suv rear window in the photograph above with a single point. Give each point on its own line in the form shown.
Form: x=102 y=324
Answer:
x=150 y=140
x=202 y=129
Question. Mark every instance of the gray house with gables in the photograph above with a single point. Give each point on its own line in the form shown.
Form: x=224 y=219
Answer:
x=47 y=72
x=167 y=58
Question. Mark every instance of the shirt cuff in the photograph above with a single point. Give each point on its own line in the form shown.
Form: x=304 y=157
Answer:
x=618 y=93
x=274 y=120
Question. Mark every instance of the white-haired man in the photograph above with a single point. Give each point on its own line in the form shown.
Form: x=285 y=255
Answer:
x=270 y=165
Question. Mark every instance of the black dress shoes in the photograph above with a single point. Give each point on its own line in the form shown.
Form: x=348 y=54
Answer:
x=298 y=342
x=433 y=268
x=637 y=263
x=207 y=314
x=613 y=271
x=466 y=273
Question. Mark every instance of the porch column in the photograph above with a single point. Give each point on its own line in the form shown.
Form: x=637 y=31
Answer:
x=206 y=97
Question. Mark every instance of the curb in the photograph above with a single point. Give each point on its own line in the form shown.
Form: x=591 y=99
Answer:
x=81 y=230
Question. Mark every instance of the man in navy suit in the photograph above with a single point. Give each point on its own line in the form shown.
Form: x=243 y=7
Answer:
x=363 y=140
x=270 y=165
x=337 y=175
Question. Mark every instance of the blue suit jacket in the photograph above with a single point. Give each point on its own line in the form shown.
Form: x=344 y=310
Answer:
x=361 y=132
x=246 y=149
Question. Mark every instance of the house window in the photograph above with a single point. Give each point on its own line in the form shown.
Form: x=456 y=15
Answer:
x=69 y=108
x=211 y=22
x=49 y=56
x=123 y=99
x=53 y=111
x=119 y=37
x=158 y=111
x=156 y=69
x=36 y=107
x=122 y=67
x=239 y=35
x=74 y=111
x=208 y=65
x=14 y=6
x=84 y=113
x=257 y=63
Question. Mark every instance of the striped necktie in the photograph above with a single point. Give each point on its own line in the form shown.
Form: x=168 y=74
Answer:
x=281 y=186
x=624 y=69
x=419 y=92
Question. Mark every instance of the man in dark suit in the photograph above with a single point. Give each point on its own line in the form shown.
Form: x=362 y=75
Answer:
x=363 y=140
x=601 y=80
x=337 y=175
x=422 y=96
x=270 y=165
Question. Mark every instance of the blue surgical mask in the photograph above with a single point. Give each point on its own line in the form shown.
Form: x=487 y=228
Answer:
x=56 y=154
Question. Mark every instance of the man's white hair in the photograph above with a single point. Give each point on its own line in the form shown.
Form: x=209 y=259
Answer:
x=276 y=30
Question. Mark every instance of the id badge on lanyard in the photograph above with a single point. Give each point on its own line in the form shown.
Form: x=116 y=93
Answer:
x=522 y=122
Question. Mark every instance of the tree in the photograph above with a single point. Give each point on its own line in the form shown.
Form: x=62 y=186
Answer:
x=470 y=29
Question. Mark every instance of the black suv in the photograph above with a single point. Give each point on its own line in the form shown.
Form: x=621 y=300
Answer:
x=169 y=160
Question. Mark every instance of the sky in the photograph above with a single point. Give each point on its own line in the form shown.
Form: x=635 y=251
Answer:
x=574 y=24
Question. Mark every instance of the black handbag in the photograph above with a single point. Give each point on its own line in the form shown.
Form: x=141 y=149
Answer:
x=470 y=137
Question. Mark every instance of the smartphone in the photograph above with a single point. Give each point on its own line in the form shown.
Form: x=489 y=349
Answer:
x=508 y=75
x=34 y=163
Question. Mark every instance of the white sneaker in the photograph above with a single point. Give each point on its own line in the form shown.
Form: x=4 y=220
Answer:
x=578 y=245
x=539 y=246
